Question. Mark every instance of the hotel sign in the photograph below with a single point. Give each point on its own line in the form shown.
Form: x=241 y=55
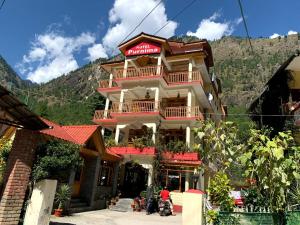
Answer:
x=143 y=48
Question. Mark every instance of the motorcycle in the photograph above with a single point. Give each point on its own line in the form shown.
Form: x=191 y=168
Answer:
x=164 y=208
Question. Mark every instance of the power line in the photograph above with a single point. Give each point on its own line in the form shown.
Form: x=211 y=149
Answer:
x=144 y=18
x=174 y=17
x=2 y=4
x=245 y=24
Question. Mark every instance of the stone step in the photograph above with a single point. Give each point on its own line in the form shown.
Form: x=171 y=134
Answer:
x=75 y=200
x=123 y=205
x=80 y=209
x=78 y=204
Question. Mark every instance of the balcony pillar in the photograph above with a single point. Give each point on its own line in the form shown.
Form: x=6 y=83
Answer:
x=189 y=103
x=158 y=70
x=187 y=181
x=118 y=127
x=106 y=108
x=190 y=76
x=156 y=99
x=122 y=99
x=125 y=68
x=153 y=126
x=188 y=136
x=110 y=84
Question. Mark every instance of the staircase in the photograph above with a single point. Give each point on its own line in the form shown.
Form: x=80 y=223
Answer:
x=123 y=205
x=79 y=205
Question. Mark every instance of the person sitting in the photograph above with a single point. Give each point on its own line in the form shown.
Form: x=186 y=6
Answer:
x=165 y=196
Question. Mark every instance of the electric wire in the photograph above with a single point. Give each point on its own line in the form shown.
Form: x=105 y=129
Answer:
x=245 y=24
x=176 y=15
x=2 y=4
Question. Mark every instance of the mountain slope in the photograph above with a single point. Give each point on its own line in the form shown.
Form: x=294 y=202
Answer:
x=72 y=99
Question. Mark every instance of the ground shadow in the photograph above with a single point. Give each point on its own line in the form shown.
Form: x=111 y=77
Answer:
x=58 y=223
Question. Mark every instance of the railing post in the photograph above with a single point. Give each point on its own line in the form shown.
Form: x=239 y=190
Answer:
x=110 y=83
x=190 y=75
x=158 y=70
x=125 y=68
x=156 y=99
x=106 y=108
x=189 y=103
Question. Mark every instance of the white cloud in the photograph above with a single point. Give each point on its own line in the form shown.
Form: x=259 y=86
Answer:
x=96 y=51
x=210 y=29
x=52 y=54
x=275 y=35
x=291 y=32
x=125 y=15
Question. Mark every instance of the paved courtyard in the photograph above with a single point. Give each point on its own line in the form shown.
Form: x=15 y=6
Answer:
x=107 y=217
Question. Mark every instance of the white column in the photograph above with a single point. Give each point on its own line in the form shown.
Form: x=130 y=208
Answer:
x=125 y=68
x=153 y=126
x=156 y=99
x=110 y=80
x=188 y=136
x=106 y=108
x=102 y=132
x=150 y=175
x=187 y=181
x=118 y=127
x=189 y=103
x=158 y=70
x=121 y=99
x=190 y=70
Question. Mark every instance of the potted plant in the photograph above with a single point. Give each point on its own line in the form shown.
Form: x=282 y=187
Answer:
x=62 y=196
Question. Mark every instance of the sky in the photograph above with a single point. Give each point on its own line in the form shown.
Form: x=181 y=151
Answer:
x=45 y=39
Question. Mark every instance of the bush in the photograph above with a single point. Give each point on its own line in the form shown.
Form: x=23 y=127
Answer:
x=55 y=159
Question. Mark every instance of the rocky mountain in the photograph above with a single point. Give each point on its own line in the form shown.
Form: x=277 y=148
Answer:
x=72 y=99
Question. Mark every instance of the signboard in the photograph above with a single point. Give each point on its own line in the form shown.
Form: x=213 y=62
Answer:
x=143 y=48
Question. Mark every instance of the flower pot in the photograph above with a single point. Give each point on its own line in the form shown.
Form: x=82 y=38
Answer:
x=58 y=212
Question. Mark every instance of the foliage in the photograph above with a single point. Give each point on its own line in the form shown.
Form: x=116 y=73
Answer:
x=274 y=164
x=55 y=159
x=110 y=142
x=219 y=190
x=254 y=200
x=211 y=216
x=5 y=146
x=63 y=195
x=177 y=146
x=218 y=143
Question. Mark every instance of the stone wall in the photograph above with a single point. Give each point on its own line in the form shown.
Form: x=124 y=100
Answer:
x=17 y=176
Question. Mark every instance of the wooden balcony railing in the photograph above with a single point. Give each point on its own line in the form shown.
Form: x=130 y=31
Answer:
x=107 y=84
x=146 y=71
x=148 y=106
x=181 y=77
x=102 y=114
x=183 y=111
x=133 y=107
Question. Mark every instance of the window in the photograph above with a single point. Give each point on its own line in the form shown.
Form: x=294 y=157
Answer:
x=106 y=173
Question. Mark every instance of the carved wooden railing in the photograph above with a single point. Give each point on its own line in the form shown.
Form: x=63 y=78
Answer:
x=136 y=106
x=182 y=111
x=102 y=114
x=182 y=77
x=146 y=71
x=107 y=84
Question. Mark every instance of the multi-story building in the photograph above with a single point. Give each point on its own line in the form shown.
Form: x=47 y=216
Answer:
x=164 y=86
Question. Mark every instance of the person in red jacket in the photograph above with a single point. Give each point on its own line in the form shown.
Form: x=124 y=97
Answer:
x=165 y=196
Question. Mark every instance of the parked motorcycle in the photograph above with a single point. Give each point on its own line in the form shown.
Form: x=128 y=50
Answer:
x=164 y=208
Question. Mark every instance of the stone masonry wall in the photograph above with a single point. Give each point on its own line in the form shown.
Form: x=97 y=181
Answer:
x=17 y=176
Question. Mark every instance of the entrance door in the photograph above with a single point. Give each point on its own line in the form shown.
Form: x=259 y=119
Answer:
x=135 y=180
x=77 y=181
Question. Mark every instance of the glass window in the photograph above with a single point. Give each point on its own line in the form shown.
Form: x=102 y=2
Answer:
x=106 y=173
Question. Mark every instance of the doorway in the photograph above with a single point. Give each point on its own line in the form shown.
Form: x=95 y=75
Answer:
x=135 y=180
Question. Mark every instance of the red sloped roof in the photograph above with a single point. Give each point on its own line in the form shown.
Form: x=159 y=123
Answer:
x=75 y=134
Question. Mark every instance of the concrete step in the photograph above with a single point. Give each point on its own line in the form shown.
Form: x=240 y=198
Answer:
x=78 y=204
x=123 y=205
x=80 y=209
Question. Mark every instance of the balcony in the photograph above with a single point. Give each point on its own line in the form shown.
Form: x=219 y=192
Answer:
x=142 y=72
x=183 y=77
x=108 y=84
x=149 y=108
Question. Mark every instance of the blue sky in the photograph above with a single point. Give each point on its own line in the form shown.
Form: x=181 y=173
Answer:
x=44 y=39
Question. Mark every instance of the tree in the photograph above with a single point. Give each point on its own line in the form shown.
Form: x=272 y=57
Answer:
x=218 y=144
x=55 y=159
x=273 y=165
